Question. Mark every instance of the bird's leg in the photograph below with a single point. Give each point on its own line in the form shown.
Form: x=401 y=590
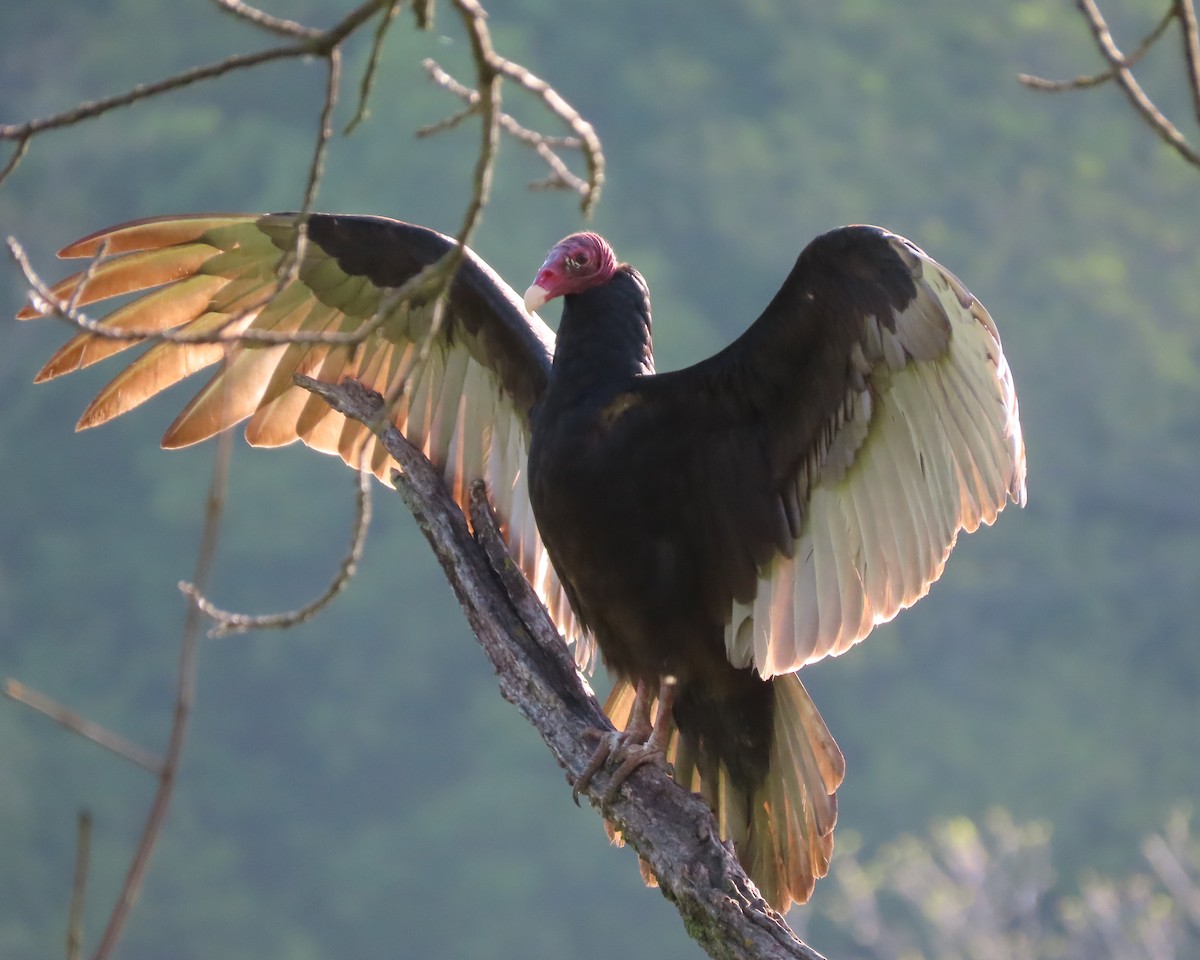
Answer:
x=612 y=742
x=651 y=748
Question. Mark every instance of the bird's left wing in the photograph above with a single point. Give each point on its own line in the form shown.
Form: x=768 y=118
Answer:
x=872 y=416
x=464 y=385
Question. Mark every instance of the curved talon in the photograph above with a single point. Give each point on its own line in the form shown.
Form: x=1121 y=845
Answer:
x=632 y=757
x=640 y=743
x=609 y=741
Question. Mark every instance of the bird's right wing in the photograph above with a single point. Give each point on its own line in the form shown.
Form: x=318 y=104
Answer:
x=464 y=388
x=833 y=452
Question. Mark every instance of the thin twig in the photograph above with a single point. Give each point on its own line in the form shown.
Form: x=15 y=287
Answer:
x=475 y=20
x=185 y=693
x=545 y=146
x=18 y=155
x=94 y=108
x=320 y=43
x=229 y=622
x=593 y=153
x=265 y=21
x=83 y=851
x=449 y=122
x=1120 y=73
x=72 y=303
x=88 y=729
x=324 y=132
x=1185 y=11
x=334 y=36
x=423 y=14
x=1133 y=91
x=561 y=175
x=368 y=77
x=1095 y=79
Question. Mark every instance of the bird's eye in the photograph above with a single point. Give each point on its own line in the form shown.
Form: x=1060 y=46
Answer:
x=581 y=259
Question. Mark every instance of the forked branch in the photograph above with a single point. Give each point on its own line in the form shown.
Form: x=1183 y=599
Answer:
x=1181 y=13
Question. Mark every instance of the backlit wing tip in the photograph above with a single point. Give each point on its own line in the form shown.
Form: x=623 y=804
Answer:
x=150 y=233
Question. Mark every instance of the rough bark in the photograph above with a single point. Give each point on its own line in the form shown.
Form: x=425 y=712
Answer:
x=670 y=828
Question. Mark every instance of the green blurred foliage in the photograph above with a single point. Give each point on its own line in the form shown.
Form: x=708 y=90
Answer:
x=356 y=787
x=988 y=890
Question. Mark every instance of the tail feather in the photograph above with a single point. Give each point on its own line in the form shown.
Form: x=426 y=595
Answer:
x=782 y=829
x=790 y=840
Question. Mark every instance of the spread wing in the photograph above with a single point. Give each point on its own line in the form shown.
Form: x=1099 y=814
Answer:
x=856 y=427
x=465 y=387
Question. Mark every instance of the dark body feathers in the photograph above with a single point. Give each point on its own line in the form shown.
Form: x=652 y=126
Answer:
x=660 y=497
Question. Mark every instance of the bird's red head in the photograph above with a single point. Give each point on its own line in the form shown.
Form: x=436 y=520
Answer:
x=575 y=263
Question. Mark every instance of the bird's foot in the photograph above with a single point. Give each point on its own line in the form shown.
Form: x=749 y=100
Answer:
x=610 y=744
x=641 y=742
x=652 y=750
x=607 y=742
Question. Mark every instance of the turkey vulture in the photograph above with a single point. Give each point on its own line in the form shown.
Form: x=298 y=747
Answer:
x=709 y=531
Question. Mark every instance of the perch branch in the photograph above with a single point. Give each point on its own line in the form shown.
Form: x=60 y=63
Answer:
x=670 y=828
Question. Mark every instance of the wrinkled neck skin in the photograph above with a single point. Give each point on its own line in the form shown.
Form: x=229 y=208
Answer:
x=604 y=335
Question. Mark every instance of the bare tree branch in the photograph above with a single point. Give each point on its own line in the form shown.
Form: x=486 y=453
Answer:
x=1095 y=79
x=265 y=21
x=86 y=111
x=18 y=155
x=544 y=146
x=592 y=152
x=1185 y=11
x=228 y=622
x=88 y=729
x=185 y=695
x=368 y=77
x=1120 y=73
x=312 y=42
x=83 y=851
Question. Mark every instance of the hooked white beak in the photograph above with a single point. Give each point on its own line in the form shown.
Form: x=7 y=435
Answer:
x=535 y=297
